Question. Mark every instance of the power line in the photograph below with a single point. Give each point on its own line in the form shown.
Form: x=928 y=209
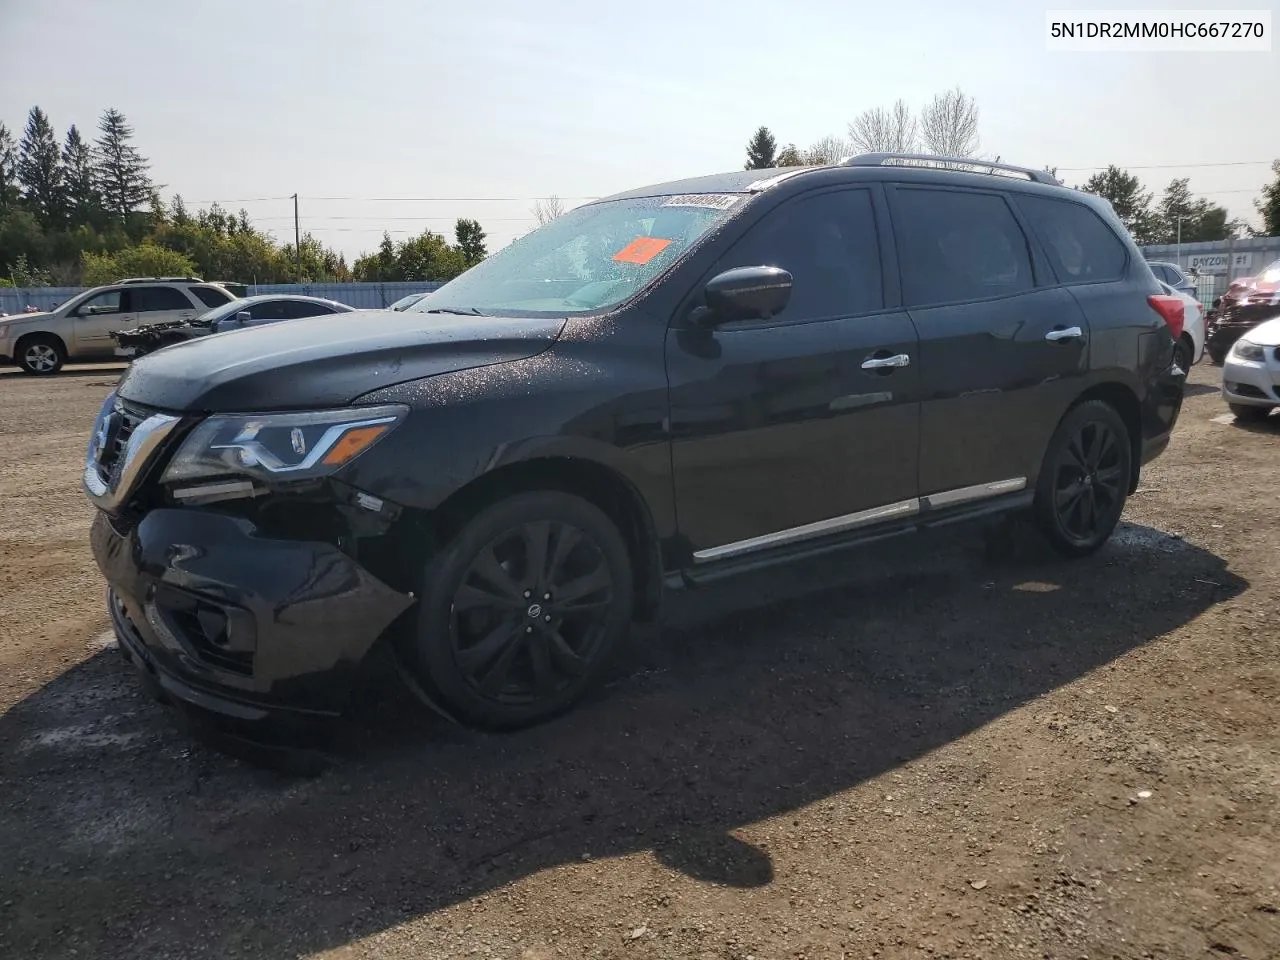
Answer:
x=445 y=199
x=1170 y=166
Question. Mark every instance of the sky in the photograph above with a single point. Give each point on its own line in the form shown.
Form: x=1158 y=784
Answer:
x=478 y=109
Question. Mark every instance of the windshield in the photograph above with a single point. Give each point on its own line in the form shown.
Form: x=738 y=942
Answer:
x=218 y=313
x=590 y=259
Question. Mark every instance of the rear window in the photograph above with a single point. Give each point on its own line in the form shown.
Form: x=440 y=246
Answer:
x=158 y=299
x=212 y=296
x=959 y=246
x=588 y=260
x=1080 y=246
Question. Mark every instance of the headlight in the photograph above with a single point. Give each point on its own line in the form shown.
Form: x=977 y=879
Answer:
x=1247 y=350
x=281 y=446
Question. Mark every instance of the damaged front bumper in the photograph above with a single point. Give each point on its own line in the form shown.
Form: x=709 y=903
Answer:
x=151 y=337
x=230 y=622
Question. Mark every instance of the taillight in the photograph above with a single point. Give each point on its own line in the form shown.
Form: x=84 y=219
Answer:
x=1170 y=310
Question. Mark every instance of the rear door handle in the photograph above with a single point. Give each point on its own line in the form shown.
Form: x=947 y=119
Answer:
x=1070 y=333
x=880 y=363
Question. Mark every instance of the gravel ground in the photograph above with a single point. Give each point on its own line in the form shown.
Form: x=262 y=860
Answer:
x=926 y=755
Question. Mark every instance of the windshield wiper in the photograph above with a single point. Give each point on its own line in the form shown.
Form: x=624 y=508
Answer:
x=465 y=312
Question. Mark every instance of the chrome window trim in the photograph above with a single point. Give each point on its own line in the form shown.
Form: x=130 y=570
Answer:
x=851 y=521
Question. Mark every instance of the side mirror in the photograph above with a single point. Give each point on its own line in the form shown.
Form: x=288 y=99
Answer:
x=747 y=293
x=243 y=317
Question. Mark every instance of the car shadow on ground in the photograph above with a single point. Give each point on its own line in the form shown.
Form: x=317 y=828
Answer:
x=1267 y=425
x=765 y=696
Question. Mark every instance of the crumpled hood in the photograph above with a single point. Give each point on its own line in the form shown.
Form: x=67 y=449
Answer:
x=325 y=361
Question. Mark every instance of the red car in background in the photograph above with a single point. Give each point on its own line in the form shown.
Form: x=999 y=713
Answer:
x=1248 y=302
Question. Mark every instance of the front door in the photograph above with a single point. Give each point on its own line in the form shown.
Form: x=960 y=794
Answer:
x=97 y=318
x=1003 y=348
x=805 y=424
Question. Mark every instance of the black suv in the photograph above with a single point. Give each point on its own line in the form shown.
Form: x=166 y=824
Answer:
x=674 y=384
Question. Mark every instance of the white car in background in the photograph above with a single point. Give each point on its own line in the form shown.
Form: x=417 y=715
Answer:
x=1190 y=346
x=1251 y=372
x=82 y=329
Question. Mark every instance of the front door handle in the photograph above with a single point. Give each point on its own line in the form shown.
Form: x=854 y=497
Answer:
x=1069 y=333
x=880 y=363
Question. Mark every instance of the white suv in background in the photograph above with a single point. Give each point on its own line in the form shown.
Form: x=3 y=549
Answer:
x=81 y=329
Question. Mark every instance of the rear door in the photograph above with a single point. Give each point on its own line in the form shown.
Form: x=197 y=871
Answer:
x=161 y=304
x=808 y=418
x=1003 y=349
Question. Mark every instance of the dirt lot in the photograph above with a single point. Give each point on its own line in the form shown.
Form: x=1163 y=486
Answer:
x=937 y=756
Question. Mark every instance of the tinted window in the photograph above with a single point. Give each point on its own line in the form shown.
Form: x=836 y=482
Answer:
x=959 y=246
x=290 y=309
x=828 y=243
x=108 y=302
x=152 y=299
x=1079 y=244
x=211 y=296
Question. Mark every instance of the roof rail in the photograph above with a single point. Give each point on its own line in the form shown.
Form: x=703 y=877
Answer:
x=963 y=164
x=160 y=280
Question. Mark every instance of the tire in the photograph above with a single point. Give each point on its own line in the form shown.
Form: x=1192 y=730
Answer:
x=1216 y=357
x=500 y=645
x=1247 y=413
x=1184 y=353
x=40 y=354
x=1084 y=479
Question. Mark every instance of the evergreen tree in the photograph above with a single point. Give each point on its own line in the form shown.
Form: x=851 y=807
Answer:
x=83 y=201
x=761 y=150
x=122 y=172
x=40 y=169
x=8 y=169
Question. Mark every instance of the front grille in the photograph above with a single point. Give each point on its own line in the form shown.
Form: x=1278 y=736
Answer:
x=123 y=421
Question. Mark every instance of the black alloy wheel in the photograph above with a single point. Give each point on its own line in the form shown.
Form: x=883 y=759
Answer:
x=530 y=612
x=1085 y=479
x=522 y=610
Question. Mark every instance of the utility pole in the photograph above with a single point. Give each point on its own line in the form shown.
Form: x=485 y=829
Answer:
x=297 y=238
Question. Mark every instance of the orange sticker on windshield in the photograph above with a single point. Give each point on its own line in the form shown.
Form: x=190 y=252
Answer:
x=641 y=250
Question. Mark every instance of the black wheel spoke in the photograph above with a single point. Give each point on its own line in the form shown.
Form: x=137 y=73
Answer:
x=571 y=595
x=472 y=596
x=471 y=659
x=565 y=656
x=535 y=537
x=1075 y=453
x=566 y=539
x=495 y=678
x=1109 y=477
x=487 y=567
x=544 y=677
x=1089 y=510
x=1068 y=495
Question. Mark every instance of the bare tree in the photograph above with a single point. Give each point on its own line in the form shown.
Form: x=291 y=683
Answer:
x=547 y=209
x=827 y=150
x=949 y=125
x=881 y=130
